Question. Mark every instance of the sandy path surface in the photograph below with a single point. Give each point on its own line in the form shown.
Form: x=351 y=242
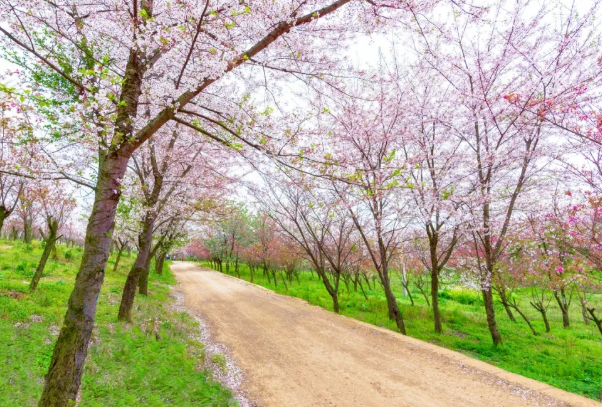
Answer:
x=294 y=354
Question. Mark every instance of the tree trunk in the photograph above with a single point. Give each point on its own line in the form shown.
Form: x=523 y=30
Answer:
x=506 y=305
x=159 y=261
x=67 y=364
x=27 y=229
x=586 y=319
x=3 y=215
x=118 y=259
x=515 y=306
x=490 y=311
x=129 y=290
x=596 y=320
x=53 y=227
x=143 y=280
x=544 y=315
x=394 y=312
x=564 y=307
x=435 y=300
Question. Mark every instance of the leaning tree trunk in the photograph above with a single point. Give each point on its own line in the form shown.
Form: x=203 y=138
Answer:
x=564 y=307
x=597 y=321
x=67 y=364
x=53 y=227
x=394 y=312
x=506 y=304
x=490 y=311
x=138 y=268
x=119 y=253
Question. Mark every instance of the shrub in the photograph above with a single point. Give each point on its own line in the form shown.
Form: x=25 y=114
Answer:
x=69 y=255
x=462 y=296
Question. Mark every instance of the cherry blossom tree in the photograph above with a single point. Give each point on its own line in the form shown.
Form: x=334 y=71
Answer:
x=169 y=59
x=57 y=206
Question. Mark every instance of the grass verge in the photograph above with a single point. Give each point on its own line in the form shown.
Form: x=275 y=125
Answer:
x=155 y=361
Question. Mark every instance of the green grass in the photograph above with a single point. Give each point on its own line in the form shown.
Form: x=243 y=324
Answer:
x=570 y=359
x=127 y=365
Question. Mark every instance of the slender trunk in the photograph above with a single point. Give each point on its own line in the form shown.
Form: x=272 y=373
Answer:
x=490 y=311
x=129 y=290
x=597 y=321
x=515 y=306
x=363 y=292
x=283 y=280
x=119 y=253
x=564 y=307
x=506 y=305
x=50 y=241
x=27 y=229
x=435 y=300
x=544 y=315
x=67 y=363
x=252 y=271
x=586 y=319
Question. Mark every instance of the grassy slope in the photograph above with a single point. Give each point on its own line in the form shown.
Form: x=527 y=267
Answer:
x=570 y=359
x=127 y=365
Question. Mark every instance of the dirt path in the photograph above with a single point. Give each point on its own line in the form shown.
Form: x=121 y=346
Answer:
x=295 y=354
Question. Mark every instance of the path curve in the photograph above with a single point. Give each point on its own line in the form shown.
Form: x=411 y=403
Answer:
x=294 y=354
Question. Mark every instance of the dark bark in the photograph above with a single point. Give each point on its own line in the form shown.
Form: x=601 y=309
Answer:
x=67 y=363
x=3 y=215
x=50 y=240
x=394 y=312
x=138 y=268
x=504 y=300
x=539 y=306
x=143 y=280
x=435 y=302
x=159 y=262
x=563 y=303
x=594 y=317
x=119 y=253
x=490 y=311
x=514 y=305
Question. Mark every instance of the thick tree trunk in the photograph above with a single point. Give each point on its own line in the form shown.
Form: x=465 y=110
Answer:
x=67 y=364
x=490 y=311
x=53 y=227
x=138 y=268
x=143 y=282
x=159 y=261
